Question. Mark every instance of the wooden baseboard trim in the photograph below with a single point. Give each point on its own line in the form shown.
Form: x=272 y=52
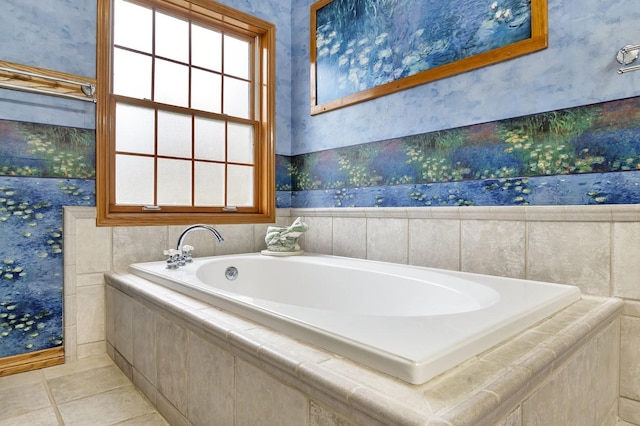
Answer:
x=31 y=361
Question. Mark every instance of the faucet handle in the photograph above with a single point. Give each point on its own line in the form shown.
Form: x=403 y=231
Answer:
x=170 y=252
x=172 y=260
x=186 y=253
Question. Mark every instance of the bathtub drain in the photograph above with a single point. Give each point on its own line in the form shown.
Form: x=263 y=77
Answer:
x=231 y=273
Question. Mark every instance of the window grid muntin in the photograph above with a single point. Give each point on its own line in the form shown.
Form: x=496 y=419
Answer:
x=255 y=93
x=157 y=107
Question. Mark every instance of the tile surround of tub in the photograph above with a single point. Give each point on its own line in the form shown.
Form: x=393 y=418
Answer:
x=630 y=363
x=574 y=225
x=577 y=253
x=625 y=256
x=493 y=247
x=349 y=237
x=278 y=380
x=434 y=243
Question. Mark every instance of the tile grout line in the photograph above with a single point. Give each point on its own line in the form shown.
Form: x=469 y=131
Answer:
x=52 y=400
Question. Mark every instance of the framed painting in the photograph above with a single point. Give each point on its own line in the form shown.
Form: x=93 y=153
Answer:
x=364 y=49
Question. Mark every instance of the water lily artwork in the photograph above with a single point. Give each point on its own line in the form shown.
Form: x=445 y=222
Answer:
x=363 y=49
x=42 y=168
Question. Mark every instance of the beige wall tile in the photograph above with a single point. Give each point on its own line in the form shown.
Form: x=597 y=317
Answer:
x=629 y=411
x=513 y=419
x=171 y=341
x=70 y=311
x=350 y=237
x=143 y=385
x=169 y=412
x=90 y=279
x=211 y=387
x=320 y=416
x=631 y=308
x=237 y=239
x=606 y=371
x=388 y=240
x=123 y=325
x=626 y=260
x=110 y=300
x=144 y=342
x=571 y=253
x=93 y=247
x=582 y=391
x=629 y=357
x=91 y=316
x=262 y=400
x=434 y=243
x=547 y=406
x=318 y=239
x=70 y=343
x=493 y=248
x=89 y=350
x=133 y=244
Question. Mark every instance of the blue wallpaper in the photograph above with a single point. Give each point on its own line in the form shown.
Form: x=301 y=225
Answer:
x=578 y=156
x=42 y=168
x=578 y=68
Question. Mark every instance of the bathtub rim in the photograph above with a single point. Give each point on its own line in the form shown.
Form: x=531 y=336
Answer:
x=412 y=370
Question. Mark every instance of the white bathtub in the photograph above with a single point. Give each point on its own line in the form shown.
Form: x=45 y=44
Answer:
x=410 y=322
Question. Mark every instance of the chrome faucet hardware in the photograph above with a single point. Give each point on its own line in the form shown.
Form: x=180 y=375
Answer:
x=181 y=255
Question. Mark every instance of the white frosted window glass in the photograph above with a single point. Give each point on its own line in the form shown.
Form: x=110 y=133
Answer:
x=206 y=48
x=134 y=180
x=172 y=83
x=209 y=189
x=174 y=134
x=131 y=74
x=172 y=38
x=132 y=26
x=236 y=57
x=174 y=182
x=240 y=143
x=209 y=139
x=240 y=186
x=236 y=97
x=206 y=91
x=135 y=129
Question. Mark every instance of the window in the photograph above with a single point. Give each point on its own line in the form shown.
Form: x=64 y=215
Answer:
x=185 y=127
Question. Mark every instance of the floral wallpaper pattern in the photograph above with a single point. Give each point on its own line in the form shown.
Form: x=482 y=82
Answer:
x=583 y=155
x=42 y=168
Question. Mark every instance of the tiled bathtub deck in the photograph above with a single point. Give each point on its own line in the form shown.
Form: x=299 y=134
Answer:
x=92 y=391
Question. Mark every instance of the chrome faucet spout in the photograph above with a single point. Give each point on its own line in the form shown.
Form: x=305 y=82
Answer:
x=209 y=228
x=182 y=255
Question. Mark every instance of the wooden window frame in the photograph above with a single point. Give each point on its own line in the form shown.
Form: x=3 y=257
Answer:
x=233 y=21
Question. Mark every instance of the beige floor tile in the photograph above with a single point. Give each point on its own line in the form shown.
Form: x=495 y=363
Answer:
x=86 y=383
x=21 y=379
x=18 y=400
x=106 y=408
x=43 y=417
